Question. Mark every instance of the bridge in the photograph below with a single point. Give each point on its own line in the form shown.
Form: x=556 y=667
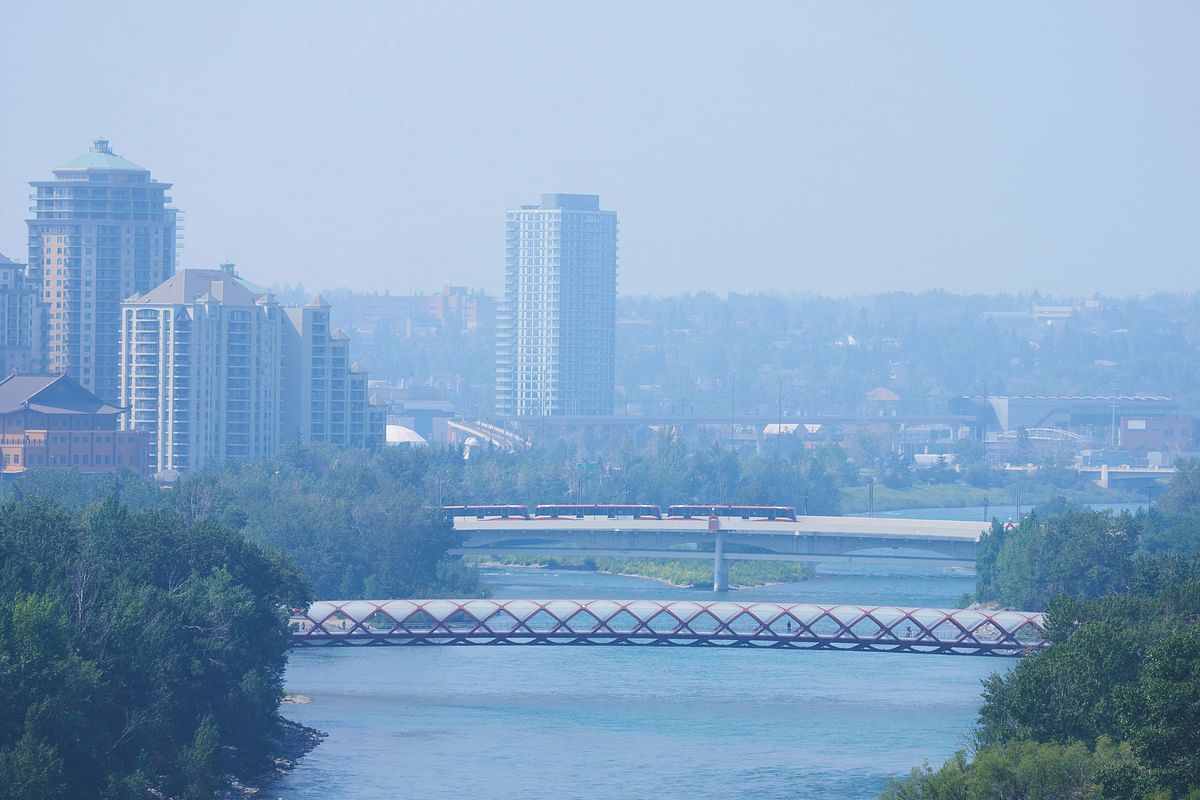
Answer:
x=803 y=539
x=679 y=623
x=500 y=438
x=1106 y=476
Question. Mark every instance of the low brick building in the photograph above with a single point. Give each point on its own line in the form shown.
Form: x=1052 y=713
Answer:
x=51 y=422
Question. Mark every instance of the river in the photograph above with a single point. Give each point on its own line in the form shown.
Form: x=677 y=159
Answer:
x=637 y=722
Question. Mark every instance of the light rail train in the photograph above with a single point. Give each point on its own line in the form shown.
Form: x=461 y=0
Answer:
x=621 y=511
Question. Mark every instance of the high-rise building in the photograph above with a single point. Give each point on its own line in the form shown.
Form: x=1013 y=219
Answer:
x=22 y=318
x=213 y=368
x=200 y=366
x=556 y=329
x=101 y=231
x=326 y=394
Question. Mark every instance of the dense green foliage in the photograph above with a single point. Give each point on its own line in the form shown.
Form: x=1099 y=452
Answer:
x=369 y=525
x=1080 y=553
x=1122 y=600
x=364 y=524
x=358 y=524
x=673 y=474
x=1066 y=550
x=137 y=650
x=1125 y=668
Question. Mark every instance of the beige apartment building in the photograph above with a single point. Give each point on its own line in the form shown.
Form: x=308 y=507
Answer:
x=101 y=231
x=200 y=369
x=214 y=369
x=334 y=405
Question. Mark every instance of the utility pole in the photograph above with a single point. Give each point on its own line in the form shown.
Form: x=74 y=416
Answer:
x=1113 y=425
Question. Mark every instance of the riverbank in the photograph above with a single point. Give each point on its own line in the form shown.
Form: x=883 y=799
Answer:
x=679 y=574
x=292 y=742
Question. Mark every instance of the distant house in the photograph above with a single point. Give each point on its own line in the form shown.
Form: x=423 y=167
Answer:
x=51 y=422
x=880 y=402
x=882 y=395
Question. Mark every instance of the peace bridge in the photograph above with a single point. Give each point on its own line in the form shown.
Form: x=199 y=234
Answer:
x=678 y=623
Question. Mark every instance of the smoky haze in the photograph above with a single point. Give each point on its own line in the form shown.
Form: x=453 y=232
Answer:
x=780 y=147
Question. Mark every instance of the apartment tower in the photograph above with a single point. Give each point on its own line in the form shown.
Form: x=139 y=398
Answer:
x=556 y=328
x=325 y=393
x=200 y=369
x=101 y=231
x=22 y=319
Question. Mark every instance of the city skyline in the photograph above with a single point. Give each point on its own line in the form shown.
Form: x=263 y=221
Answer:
x=807 y=149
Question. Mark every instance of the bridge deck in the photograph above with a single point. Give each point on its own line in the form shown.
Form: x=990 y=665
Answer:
x=687 y=623
x=862 y=527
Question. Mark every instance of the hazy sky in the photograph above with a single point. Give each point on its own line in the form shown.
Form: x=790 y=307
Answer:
x=823 y=147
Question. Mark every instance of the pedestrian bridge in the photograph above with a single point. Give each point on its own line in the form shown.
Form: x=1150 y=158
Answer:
x=807 y=538
x=681 y=623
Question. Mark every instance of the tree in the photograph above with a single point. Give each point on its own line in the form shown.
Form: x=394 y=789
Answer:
x=119 y=630
x=1080 y=554
x=1163 y=713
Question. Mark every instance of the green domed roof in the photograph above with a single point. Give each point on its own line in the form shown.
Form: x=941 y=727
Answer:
x=101 y=156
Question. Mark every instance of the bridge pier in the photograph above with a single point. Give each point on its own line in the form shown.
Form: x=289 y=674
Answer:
x=720 y=565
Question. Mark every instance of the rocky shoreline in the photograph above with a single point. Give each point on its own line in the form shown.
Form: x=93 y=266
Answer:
x=293 y=742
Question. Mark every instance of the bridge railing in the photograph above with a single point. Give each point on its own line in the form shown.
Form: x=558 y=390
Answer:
x=688 y=623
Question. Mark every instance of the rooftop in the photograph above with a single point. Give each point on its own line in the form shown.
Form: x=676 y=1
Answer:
x=572 y=202
x=193 y=285
x=49 y=394
x=100 y=157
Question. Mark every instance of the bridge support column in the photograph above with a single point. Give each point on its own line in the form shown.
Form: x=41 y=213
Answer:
x=720 y=565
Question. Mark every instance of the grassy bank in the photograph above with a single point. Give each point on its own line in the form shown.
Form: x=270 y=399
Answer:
x=683 y=573
x=958 y=495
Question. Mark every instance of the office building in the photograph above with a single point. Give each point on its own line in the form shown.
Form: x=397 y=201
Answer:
x=101 y=231
x=22 y=317
x=556 y=328
x=200 y=367
x=51 y=422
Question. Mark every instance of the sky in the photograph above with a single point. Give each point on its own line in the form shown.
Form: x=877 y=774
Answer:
x=828 y=148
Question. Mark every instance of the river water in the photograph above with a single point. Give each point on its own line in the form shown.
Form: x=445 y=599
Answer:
x=637 y=722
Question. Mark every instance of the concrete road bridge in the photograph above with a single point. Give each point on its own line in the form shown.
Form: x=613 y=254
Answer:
x=806 y=538
x=679 y=623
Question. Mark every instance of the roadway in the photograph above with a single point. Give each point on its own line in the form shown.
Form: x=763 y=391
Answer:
x=808 y=538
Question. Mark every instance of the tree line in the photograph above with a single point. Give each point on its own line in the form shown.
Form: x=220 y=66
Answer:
x=1111 y=710
x=139 y=652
